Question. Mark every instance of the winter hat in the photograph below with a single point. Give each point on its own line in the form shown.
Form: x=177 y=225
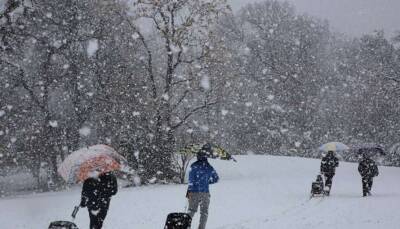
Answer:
x=331 y=152
x=204 y=152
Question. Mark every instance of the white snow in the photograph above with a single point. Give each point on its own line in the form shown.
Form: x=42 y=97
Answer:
x=204 y=128
x=165 y=96
x=135 y=36
x=258 y=192
x=277 y=108
x=85 y=131
x=205 y=83
x=53 y=123
x=93 y=46
x=297 y=144
x=175 y=48
x=2 y=113
x=264 y=71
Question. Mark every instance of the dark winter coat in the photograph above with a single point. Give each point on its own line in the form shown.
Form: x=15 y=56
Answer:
x=329 y=164
x=368 y=168
x=96 y=192
x=201 y=175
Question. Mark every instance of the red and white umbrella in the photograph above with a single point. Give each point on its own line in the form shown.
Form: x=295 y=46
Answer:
x=90 y=162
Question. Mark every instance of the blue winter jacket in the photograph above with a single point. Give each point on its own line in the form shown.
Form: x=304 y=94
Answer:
x=200 y=176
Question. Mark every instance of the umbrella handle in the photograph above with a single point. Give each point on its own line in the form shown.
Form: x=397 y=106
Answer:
x=76 y=209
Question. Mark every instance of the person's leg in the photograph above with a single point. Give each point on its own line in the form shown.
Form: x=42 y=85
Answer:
x=364 y=185
x=194 y=201
x=328 y=180
x=328 y=183
x=204 y=204
x=93 y=215
x=370 y=182
x=102 y=214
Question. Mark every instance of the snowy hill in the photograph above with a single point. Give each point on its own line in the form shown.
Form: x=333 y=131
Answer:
x=255 y=193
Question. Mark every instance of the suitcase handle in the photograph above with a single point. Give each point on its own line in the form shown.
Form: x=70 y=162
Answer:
x=76 y=209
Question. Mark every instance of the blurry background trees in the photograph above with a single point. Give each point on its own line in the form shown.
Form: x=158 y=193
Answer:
x=150 y=77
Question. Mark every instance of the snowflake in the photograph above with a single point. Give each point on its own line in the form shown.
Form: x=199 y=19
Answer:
x=85 y=131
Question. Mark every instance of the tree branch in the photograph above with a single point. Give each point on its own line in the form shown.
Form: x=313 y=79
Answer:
x=190 y=113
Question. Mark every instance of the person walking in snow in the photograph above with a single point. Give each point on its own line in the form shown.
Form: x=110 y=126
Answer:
x=96 y=196
x=200 y=176
x=328 y=168
x=368 y=170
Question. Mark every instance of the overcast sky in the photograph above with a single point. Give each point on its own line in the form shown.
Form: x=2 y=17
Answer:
x=352 y=17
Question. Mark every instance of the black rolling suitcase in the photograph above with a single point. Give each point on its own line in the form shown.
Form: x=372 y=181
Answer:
x=65 y=224
x=178 y=221
x=62 y=225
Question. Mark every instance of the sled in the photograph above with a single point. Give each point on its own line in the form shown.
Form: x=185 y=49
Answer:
x=317 y=188
x=178 y=221
x=62 y=225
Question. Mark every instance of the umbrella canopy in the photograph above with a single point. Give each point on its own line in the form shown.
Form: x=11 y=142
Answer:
x=90 y=162
x=333 y=146
x=222 y=154
x=369 y=149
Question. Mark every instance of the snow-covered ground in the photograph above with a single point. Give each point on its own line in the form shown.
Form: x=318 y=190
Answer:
x=257 y=192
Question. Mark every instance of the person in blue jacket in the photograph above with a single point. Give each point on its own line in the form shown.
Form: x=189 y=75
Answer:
x=200 y=176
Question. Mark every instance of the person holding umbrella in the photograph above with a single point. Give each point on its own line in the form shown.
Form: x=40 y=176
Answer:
x=96 y=196
x=328 y=168
x=329 y=161
x=94 y=166
x=201 y=175
x=368 y=170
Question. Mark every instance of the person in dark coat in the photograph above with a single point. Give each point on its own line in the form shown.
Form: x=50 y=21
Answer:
x=96 y=196
x=201 y=175
x=328 y=168
x=368 y=170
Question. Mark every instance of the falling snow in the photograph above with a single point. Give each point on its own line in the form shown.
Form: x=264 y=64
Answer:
x=85 y=131
x=205 y=83
x=92 y=47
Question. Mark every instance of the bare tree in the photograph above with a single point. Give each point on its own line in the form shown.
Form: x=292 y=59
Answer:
x=180 y=42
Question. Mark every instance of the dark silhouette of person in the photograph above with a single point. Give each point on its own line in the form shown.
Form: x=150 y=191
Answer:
x=368 y=170
x=328 y=168
x=96 y=196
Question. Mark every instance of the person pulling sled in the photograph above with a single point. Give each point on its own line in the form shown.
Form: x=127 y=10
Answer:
x=328 y=168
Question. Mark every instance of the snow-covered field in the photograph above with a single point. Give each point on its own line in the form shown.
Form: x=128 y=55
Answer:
x=257 y=192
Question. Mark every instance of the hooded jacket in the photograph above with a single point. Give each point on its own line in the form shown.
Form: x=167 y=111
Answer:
x=368 y=168
x=329 y=163
x=201 y=175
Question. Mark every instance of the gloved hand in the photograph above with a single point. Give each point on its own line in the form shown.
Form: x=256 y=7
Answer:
x=188 y=194
x=83 y=202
